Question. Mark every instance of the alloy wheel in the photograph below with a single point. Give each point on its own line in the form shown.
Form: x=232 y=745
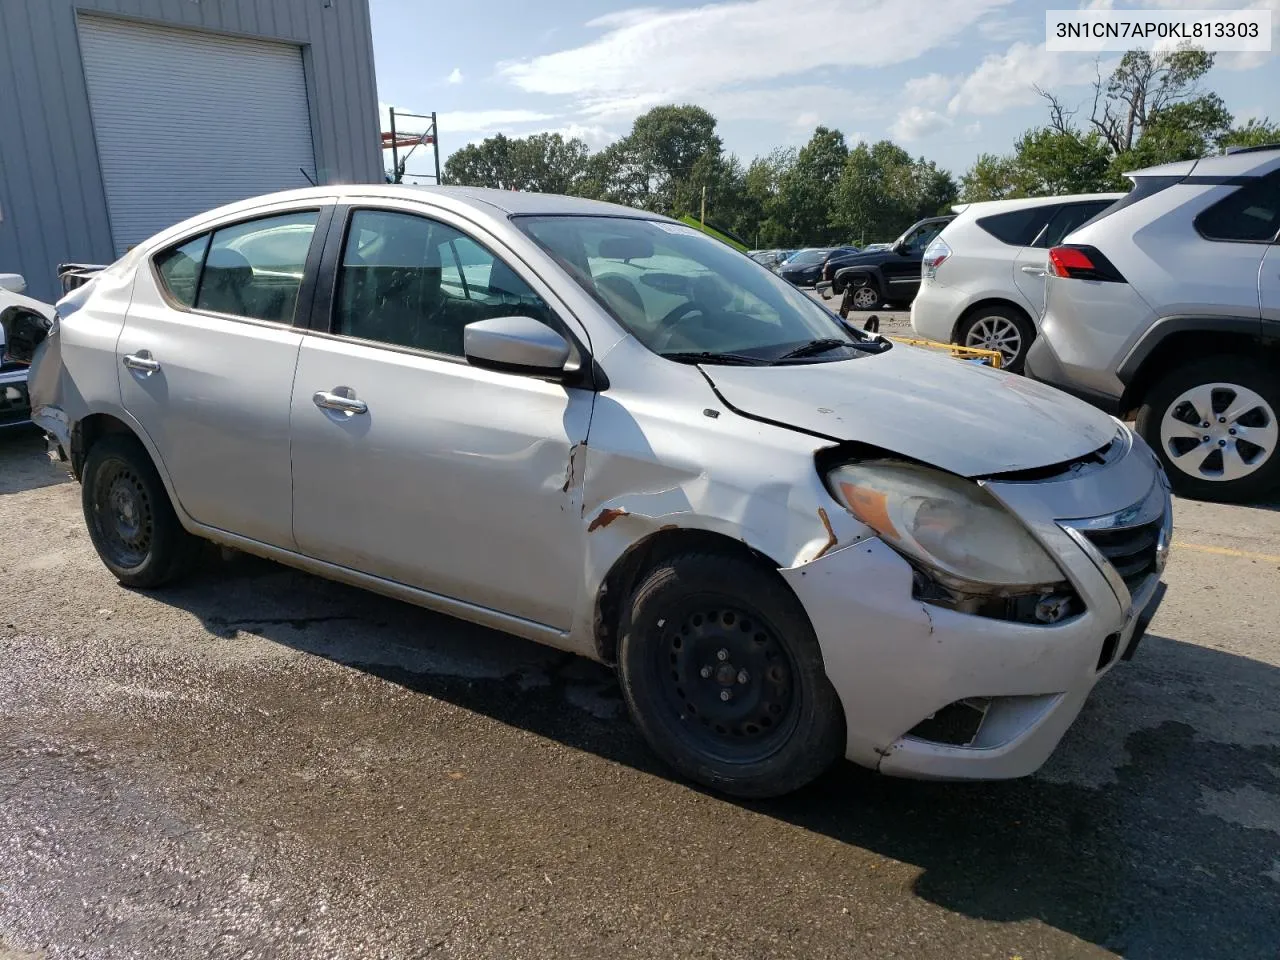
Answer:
x=866 y=297
x=996 y=333
x=1219 y=432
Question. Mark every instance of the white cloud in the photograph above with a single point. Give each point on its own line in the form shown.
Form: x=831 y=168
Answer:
x=930 y=88
x=916 y=122
x=455 y=76
x=1001 y=28
x=647 y=56
x=1008 y=80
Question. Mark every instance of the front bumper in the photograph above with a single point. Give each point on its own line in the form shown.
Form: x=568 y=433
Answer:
x=896 y=661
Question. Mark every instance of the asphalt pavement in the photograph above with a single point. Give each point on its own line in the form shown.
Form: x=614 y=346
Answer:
x=260 y=763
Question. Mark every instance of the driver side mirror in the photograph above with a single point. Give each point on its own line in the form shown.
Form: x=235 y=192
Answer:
x=901 y=247
x=515 y=345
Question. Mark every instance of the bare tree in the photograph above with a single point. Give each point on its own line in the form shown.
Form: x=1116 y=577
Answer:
x=1140 y=87
x=1060 y=116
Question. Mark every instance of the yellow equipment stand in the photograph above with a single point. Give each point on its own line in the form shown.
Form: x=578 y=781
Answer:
x=957 y=351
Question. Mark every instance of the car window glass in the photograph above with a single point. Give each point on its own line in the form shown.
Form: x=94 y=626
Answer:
x=1017 y=227
x=1250 y=213
x=255 y=269
x=1068 y=218
x=180 y=269
x=414 y=282
x=921 y=237
x=677 y=290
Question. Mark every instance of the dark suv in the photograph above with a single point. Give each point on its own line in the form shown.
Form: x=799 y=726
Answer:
x=892 y=276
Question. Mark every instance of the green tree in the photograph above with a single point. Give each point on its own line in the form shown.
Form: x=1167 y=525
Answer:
x=542 y=162
x=882 y=191
x=1254 y=133
x=1143 y=86
x=805 y=208
x=1049 y=162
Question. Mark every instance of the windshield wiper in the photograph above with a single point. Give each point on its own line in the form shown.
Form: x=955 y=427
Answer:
x=815 y=347
x=708 y=356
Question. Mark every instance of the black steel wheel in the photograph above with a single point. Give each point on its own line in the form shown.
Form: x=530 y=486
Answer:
x=130 y=519
x=723 y=674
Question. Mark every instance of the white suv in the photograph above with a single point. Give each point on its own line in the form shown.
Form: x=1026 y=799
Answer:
x=983 y=277
x=1167 y=308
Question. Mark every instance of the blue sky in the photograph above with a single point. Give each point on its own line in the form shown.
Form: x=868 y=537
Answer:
x=947 y=79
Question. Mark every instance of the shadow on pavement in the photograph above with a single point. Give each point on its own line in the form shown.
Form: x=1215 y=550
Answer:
x=1173 y=851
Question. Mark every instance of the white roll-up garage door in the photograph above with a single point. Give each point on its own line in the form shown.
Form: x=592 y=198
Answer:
x=186 y=121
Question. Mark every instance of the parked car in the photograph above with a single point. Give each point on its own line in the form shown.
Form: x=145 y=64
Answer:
x=641 y=447
x=770 y=258
x=21 y=313
x=804 y=267
x=866 y=280
x=1166 y=307
x=982 y=277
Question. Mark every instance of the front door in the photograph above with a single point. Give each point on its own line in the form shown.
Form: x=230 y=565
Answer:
x=428 y=471
x=902 y=270
x=205 y=364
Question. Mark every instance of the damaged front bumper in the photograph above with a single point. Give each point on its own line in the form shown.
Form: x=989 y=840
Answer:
x=934 y=693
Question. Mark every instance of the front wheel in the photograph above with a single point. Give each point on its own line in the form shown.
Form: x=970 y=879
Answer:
x=1213 y=423
x=864 y=296
x=722 y=672
x=130 y=519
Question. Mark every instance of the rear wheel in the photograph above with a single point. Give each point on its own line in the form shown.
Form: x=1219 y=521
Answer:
x=1002 y=328
x=130 y=519
x=1213 y=423
x=722 y=672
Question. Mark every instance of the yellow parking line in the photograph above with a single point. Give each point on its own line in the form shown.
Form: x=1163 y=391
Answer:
x=1226 y=551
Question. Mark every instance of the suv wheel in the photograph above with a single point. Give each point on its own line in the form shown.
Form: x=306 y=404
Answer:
x=722 y=672
x=1000 y=328
x=1214 y=425
x=864 y=296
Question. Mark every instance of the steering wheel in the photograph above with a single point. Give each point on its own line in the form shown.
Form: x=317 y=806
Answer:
x=666 y=326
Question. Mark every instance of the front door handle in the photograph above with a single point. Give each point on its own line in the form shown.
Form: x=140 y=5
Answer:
x=1032 y=269
x=326 y=400
x=141 y=362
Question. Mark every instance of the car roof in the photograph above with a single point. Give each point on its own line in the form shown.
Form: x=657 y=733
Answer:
x=1224 y=165
x=982 y=207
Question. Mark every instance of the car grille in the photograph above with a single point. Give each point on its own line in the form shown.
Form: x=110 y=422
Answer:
x=1132 y=551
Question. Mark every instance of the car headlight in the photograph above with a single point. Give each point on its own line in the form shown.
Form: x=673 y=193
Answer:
x=949 y=526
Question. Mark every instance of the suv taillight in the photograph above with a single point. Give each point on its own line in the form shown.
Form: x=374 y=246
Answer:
x=934 y=255
x=1081 y=262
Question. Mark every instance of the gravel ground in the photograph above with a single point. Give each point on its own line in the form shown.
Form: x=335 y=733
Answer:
x=263 y=764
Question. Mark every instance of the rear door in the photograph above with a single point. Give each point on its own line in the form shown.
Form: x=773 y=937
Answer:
x=1047 y=229
x=206 y=361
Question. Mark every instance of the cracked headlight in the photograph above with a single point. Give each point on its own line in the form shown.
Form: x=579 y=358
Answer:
x=948 y=526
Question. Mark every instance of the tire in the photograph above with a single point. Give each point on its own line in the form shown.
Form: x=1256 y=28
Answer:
x=722 y=673
x=130 y=518
x=999 y=327
x=1239 y=398
x=863 y=296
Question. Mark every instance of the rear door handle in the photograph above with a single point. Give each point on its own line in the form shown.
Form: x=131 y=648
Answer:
x=1032 y=269
x=141 y=362
x=336 y=401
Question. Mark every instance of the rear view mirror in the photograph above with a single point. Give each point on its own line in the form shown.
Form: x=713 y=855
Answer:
x=515 y=345
x=626 y=248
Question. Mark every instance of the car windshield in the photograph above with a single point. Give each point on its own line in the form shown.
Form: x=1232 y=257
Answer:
x=807 y=257
x=685 y=295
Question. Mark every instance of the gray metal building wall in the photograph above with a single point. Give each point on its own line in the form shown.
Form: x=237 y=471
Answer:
x=53 y=206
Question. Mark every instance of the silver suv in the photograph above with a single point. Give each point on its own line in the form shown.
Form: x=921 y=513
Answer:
x=1166 y=307
x=605 y=431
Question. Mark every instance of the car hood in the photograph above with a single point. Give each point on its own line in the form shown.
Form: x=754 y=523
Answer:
x=872 y=259
x=965 y=418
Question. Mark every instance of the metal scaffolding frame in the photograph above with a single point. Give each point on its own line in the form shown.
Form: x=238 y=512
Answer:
x=395 y=140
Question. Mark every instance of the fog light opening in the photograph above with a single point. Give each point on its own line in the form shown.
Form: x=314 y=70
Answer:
x=1109 y=647
x=957 y=724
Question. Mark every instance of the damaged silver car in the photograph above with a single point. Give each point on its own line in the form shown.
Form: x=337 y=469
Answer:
x=601 y=430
